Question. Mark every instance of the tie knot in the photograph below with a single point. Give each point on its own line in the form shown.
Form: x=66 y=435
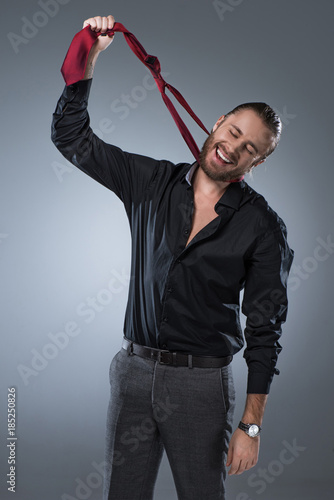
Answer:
x=161 y=84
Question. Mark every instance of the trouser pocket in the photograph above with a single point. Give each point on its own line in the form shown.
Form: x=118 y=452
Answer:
x=227 y=389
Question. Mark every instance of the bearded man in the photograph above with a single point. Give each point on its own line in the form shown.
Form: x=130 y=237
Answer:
x=200 y=234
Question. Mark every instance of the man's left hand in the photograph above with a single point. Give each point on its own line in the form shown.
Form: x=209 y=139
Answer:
x=243 y=452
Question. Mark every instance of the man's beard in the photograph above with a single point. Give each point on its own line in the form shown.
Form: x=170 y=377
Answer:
x=211 y=172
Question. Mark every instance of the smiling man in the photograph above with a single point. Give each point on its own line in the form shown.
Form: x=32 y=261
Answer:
x=200 y=234
x=239 y=141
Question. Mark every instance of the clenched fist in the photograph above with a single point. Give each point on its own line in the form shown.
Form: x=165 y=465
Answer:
x=102 y=24
x=98 y=24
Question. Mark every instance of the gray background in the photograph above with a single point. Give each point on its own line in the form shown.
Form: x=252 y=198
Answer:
x=62 y=237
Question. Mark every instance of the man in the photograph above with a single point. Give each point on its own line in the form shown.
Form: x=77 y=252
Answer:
x=200 y=235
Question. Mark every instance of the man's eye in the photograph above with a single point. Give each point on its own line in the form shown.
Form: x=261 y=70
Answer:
x=232 y=133
x=250 y=151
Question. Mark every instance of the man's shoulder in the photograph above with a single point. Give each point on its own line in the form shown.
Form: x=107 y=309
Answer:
x=259 y=209
x=169 y=172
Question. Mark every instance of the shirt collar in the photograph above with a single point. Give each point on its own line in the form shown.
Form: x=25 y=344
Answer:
x=190 y=172
x=233 y=194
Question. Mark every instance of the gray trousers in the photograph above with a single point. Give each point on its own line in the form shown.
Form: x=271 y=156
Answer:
x=186 y=411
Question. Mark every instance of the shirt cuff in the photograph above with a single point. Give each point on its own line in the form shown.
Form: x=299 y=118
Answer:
x=78 y=91
x=259 y=382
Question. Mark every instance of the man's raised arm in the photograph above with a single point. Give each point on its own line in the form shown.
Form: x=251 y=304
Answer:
x=127 y=175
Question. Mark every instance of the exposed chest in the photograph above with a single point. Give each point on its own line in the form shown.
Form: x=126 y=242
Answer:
x=203 y=214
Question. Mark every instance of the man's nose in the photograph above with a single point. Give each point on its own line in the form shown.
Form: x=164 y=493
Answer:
x=236 y=147
x=232 y=151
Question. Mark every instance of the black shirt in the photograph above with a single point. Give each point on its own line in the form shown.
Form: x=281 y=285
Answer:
x=186 y=298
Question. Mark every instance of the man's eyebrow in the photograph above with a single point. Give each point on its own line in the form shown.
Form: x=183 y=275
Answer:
x=241 y=133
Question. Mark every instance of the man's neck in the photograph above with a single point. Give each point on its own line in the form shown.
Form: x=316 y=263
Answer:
x=205 y=187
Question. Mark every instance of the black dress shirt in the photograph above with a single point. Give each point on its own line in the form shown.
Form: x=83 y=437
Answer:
x=186 y=298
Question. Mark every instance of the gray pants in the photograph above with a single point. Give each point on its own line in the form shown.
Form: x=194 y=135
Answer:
x=186 y=411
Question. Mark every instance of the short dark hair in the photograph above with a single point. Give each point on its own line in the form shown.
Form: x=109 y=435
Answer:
x=270 y=118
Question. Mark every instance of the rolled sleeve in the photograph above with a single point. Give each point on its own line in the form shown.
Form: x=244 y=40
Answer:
x=265 y=305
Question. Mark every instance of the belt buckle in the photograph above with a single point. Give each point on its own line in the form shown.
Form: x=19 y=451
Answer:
x=130 y=348
x=160 y=358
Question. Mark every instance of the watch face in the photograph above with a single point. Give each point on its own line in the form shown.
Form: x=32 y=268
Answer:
x=253 y=430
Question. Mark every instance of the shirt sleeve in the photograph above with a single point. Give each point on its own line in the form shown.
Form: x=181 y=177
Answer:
x=126 y=174
x=265 y=306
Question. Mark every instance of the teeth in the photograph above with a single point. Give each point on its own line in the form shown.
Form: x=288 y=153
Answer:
x=220 y=154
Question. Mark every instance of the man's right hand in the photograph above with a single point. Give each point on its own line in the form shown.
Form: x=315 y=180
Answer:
x=102 y=24
x=97 y=24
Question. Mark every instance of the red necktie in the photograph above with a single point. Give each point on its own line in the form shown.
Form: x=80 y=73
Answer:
x=74 y=66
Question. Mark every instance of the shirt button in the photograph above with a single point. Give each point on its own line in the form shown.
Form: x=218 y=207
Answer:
x=169 y=289
x=164 y=346
x=165 y=319
x=186 y=231
x=178 y=261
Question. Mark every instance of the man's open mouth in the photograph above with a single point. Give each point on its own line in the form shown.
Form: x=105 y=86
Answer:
x=222 y=156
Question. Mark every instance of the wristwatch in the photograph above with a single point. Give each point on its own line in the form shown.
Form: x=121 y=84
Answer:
x=252 y=430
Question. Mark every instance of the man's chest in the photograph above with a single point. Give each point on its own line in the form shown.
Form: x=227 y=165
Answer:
x=176 y=240
x=171 y=223
x=202 y=215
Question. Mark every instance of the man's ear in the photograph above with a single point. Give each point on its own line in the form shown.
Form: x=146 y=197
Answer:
x=218 y=122
x=259 y=163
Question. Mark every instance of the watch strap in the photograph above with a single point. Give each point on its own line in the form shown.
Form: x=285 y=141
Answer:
x=246 y=427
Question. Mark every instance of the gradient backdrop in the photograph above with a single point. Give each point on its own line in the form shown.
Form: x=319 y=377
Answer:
x=63 y=237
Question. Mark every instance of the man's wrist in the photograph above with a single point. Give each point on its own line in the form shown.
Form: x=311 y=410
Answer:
x=91 y=61
x=254 y=408
x=251 y=429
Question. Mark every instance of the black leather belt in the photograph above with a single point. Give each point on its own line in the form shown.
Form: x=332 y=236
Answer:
x=175 y=358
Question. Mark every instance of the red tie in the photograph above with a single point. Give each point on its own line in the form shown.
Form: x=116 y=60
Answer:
x=74 y=66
